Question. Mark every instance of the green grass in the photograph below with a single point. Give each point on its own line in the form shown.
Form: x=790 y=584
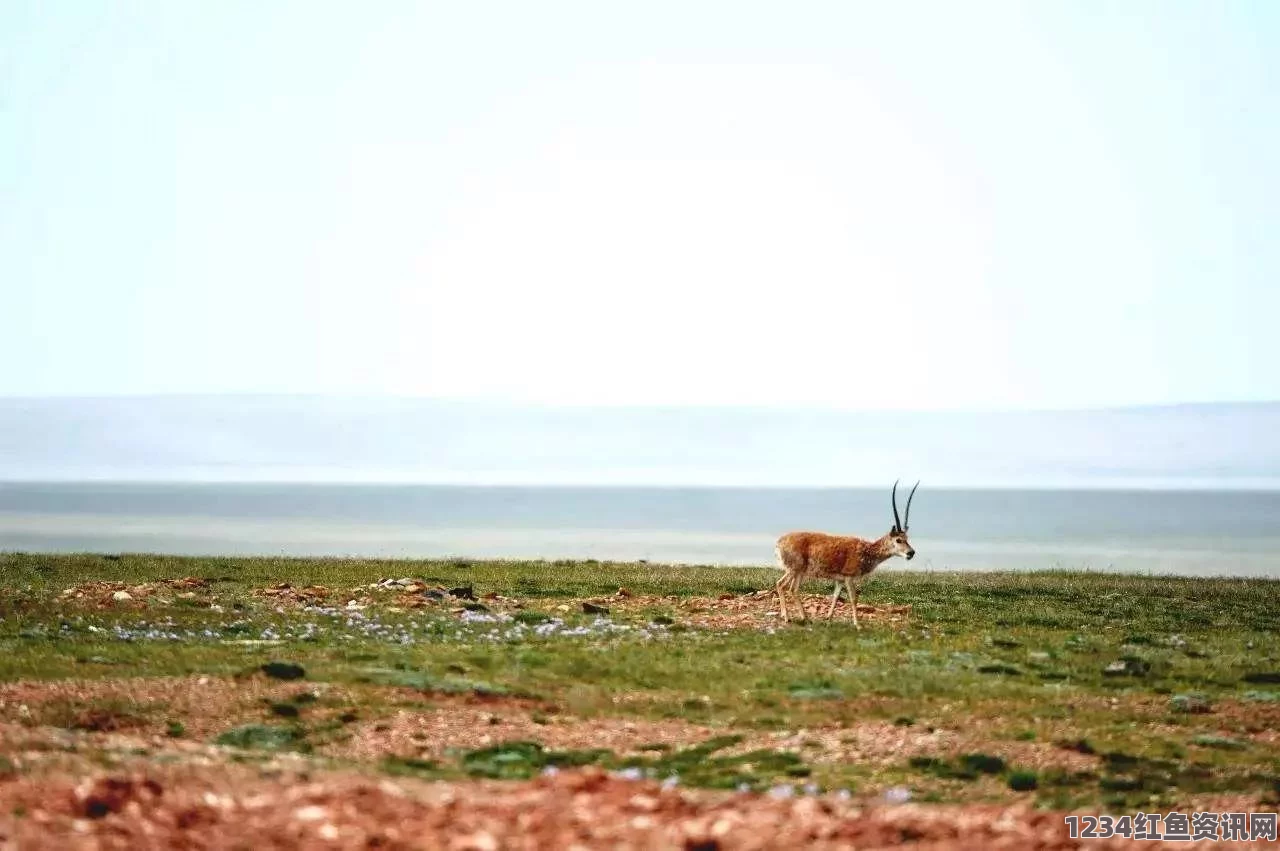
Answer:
x=1137 y=666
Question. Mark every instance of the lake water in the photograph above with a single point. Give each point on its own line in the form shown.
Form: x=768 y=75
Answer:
x=1188 y=532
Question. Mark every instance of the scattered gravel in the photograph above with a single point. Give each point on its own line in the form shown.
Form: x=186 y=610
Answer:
x=234 y=806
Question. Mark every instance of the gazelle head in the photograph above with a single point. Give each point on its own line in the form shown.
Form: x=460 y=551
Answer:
x=898 y=543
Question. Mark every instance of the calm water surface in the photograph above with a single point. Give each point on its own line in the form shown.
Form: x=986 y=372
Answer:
x=1191 y=532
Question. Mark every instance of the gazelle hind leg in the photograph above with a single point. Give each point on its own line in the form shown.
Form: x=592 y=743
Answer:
x=831 y=610
x=783 y=587
x=854 y=589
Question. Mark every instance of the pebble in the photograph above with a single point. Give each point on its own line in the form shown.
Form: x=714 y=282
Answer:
x=121 y=596
x=894 y=795
x=311 y=813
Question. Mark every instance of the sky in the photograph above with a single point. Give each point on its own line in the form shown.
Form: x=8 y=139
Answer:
x=910 y=205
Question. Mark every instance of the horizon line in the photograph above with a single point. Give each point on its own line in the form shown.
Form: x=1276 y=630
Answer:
x=1262 y=485
x=666 y=406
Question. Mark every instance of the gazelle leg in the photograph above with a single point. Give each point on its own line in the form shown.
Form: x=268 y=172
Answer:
x=779 y=588
x=783 y=588
x=834 y=598
x=854 y=589
x=794 y=588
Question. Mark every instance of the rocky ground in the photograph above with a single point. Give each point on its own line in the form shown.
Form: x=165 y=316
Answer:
x=476 y=706
x=232 y=807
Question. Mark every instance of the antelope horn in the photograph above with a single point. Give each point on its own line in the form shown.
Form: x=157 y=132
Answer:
x=907 y=513
x=897 y=524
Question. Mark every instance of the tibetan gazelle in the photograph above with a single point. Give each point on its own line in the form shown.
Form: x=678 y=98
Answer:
x=845 y=560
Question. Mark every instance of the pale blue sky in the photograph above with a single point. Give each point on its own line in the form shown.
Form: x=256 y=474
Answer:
x=862 y=205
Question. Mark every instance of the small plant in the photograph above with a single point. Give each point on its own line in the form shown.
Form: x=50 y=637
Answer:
x=262 y=738
x=1023 y=781
x=283 y=671
x=998 y=668
x=816 y=690
x=1262 y=677
x=966 y=767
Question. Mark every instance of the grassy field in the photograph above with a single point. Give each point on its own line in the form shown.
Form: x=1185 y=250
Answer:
x=1061 y=689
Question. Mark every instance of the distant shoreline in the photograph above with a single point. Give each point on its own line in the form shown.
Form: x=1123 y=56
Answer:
x=1137 y=532
x=1163 y=486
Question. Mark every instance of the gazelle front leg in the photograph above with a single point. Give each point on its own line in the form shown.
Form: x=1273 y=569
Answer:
x=853 y=596
x=834 y=598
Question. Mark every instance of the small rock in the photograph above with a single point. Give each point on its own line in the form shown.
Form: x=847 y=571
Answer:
x=122 y=596
x=482 y=841
x=311 y=813
x=897 y=795
x=1127 y=667
x=594 y=609
x=405 y=582
x=643 y=803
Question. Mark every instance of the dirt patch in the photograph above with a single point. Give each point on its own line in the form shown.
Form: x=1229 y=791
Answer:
x=885 y=744
x=286 y=595
x=151 y=706
x=123 y=595
x=233 y=806
x=431 y=732
x=150 y=709
x=753 y=610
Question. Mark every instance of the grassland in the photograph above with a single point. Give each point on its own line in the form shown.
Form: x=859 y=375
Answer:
x=1061 y=690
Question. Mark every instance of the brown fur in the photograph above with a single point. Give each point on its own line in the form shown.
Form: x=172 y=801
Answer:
x=844 y=559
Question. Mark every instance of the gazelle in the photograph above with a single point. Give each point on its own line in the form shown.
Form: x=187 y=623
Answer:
x=845 y=560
